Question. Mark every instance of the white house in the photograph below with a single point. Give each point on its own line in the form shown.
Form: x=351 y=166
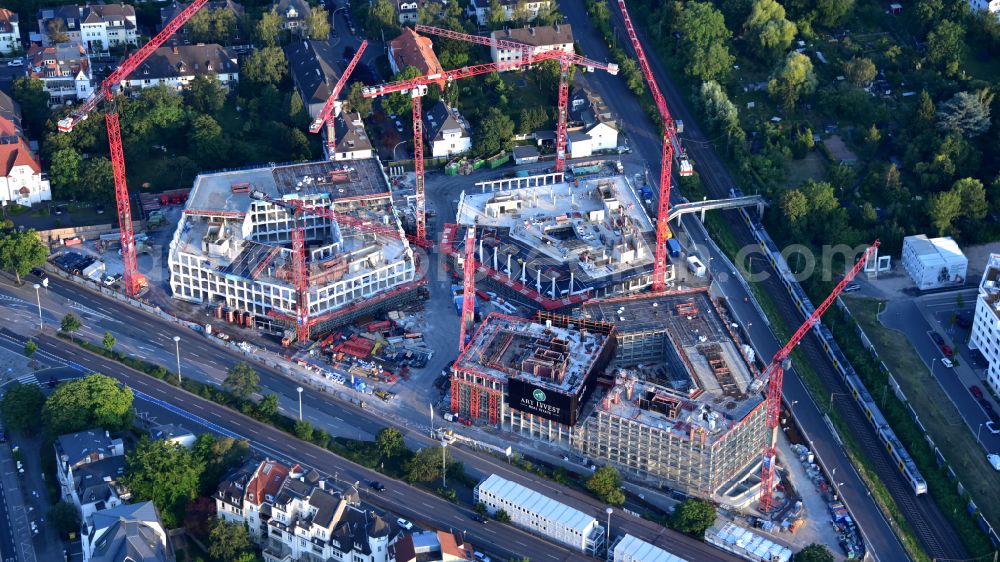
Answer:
x=985 y=335
x=558 y=37
x=126 y=532
x=407 y=11
x=10 y=33
x=178 y=65
x=579 y=144
x=96 y=27
x=588 y=113
x=447 y=131
x=934 y=262
x=993 y=6
x=88 y=466
x=23 y=181
x=294 y=14
x=481 y=9
x=352 y=142
x=64 y=70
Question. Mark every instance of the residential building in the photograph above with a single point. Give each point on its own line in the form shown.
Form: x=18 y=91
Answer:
x=992 y=6
x=591 y=116
x=432 y=546
x=294 y=15
x=10 y=120
x=312 y=66
x=352 y=139
x=934 y=262
x=985 y=336
x=413 y=49
x=526 y=154
x=632 y=549
x=96 y=27
x=543 y=38
x=82 y=462
x=64 y=70
x=171 y=11
x=541 y=514
x=301 y=517
x=176 y=66
x=407 y=11
x=127 y=533
x=174 y=434
x=22 y=181
x=446 y=130
x=10 y=32
x=480 y=9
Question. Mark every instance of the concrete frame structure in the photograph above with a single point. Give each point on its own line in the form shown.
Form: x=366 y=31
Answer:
x=552 y=244
x=530 y=377
x=233 y=251
x=690 y=419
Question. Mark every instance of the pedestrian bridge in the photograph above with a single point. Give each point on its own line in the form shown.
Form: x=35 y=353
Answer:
x=677 y=211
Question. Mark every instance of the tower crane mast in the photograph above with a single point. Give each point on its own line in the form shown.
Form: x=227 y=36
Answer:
x=468 y=288
x=774 y=373
x=133 y=280
x=671 y=148
x=326 y=114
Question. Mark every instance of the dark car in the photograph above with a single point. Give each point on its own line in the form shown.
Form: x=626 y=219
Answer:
x=39 y=273
x=377 y=486
x=986 y=405
x=480 y=519
x=937 y=338
x=947 y=350
x=976 y=391
x=995 y=417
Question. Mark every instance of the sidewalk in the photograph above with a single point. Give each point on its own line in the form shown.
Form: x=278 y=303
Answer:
x=17 y=513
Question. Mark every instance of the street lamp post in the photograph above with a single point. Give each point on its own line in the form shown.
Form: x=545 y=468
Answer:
x=444 y=467
x=978 y=431
x=431 y=406
x=299 y=390
x=177 y=344
x=38 y=297
x=609 y=511
x=397 y=146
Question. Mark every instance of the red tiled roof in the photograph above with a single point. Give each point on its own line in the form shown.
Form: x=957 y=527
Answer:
x=8 y=128
x=12 y=155
x=266 y=481
x=411 y=49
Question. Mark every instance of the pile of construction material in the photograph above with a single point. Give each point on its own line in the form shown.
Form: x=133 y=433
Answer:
x=377 y=350
x=849 y=536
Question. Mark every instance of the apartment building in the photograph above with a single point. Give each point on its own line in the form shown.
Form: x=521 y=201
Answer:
x=176 y=66
x=480 y=9
x=64 y=70
x=543 y=38
x=89 y=465
x=985 y=335
x=126 y=533
x=96 y=27
x=10 y=32
x=312 y=65
x=446 y=130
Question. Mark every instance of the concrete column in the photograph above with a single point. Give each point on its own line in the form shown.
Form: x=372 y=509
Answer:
x=508 y=264
x=523 y=266
x=481 y=251
x=571 y=282
x=538 y=280
x=494 y=259
x=553 y=287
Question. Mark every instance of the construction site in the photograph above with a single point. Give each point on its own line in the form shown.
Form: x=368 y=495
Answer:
x=680 y=409
x=551 y=243
x=235 y=248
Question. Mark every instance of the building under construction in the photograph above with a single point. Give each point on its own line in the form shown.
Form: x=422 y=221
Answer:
x=552 y=244
x=232 y=251
x=531 y=377
x=679 y=409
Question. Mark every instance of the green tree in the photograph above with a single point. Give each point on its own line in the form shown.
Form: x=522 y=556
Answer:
x=20 y=406
x=873 y=136
x=56 y=30
x=207 y=141
x=356 y=100
x=205 y=94
x=925 y=115
x=267 y=408
x=64 y=173
x=21 y=251
x=795 y=206
x=30 y=347
x=70 y=323
x=425 y=466
x=860 y=71
x=965 y=113
x=98 y=176
x=502 y=516
x=693 y=516
x=220 y=455
x=242 y=380
x=390 y=442
x=297 y=115
x=943 y=208
x=793 y=79
x=228 y=541
x=704 y=41
x=606 y=483
x=269 y=28
x=973 y=197
x=30 y=94
x=383 y=15
x=946 y=46
x=813 y=553
x=721 y=114
x=166 y=474
x=831 y=13
x=265 y=66
x=303 y=430
x=317 y=26
x=495 y=133
x=497 y=15
x=212 y=26
x=65 y=517
x=93 y=401
x=768 y=29
x=109 y=341
x=400 y=104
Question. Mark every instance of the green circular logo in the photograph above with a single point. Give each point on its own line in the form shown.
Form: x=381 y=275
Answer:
x=538 y=395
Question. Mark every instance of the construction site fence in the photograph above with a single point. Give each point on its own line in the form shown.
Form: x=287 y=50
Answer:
x=971 y=509
x=56 y=236
x=439 y=162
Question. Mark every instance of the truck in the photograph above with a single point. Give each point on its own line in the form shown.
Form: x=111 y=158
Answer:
x=674 y=247
x=695 y=266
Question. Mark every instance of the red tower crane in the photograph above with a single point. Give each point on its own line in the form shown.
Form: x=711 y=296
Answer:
x=417 y=88
x=566 y=60
x=774 y=373
x=468 y=288
x=133 y=280
x=671 y=148
x=326 y=114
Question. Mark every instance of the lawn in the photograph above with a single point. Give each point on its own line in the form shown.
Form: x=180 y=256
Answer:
x=812 y=167
x=937 y=413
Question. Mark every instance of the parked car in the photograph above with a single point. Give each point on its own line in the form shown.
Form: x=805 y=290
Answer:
x=976 y=391
x=851 y=287
x=986 y=404
x=992 y=426
x=947 y=362
x=39 y=273
x=480 y=519
x=937 y=338
x=16 y=62
x=947 y=350
x=994 y=417
x=377 y=486
x=403 y=523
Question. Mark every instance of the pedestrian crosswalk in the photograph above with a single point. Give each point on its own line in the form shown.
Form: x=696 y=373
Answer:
x=29 y=379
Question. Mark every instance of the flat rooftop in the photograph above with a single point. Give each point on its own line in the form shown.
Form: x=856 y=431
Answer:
x=214 y=193
x=561 y=238
x=705 y=371
x=548 y=356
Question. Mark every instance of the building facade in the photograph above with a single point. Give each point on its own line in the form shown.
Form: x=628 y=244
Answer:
x=992 y=6
x=176 y=66
x=64 y=70
x=985 y=336
x=126 y=533
x=294 y=15
x=447 y=131
x=933 y=263
x=22 y=181
x=352 y=141
x=480 y=9
x=540 y=514
x=543 y=38
x=10 y=33
x=413 y=49
x=311 y=64
x=95 y=27
x=628 y=548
